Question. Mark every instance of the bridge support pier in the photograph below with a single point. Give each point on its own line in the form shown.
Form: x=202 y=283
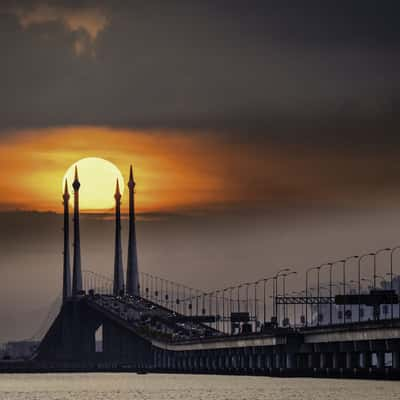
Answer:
x=366 y=359
x=290 y=361
x=352 y=360
x=335 y=360
x=323 y=360
x=227 y=360
x=396 y=359
x=380 y=357
x=280 y=360
x=338 y=360
x=313 y=360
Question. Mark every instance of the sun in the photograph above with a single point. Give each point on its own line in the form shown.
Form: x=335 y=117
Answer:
x=98 y=179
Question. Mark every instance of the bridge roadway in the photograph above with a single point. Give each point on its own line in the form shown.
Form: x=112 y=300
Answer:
x=141 y=336
x=366 y=349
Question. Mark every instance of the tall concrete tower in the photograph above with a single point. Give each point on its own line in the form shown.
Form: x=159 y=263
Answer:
x=66 y=261
x=77 y=269
x=132 y=278
x=118 y=271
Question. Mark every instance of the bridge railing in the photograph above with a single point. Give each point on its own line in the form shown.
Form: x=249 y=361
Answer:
x=267 y=303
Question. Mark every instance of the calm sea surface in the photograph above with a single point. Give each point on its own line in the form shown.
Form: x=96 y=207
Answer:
x=188 y=387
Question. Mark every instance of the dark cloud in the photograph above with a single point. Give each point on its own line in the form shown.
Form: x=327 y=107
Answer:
x=277 y=69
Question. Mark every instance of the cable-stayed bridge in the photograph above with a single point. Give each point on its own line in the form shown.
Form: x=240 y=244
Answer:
x=341 y=321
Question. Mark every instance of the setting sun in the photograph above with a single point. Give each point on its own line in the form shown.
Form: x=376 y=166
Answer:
x=98 y=179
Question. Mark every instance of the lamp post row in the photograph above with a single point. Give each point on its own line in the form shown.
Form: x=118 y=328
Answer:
x=174 y=295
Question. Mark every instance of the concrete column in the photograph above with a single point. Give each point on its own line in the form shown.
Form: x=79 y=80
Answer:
x=395 y=359
x=381 y=359
x=159 y=359
x=259 y=364
x=313 y=360
x=182 y=362
x=226 y=361
x=351 y=360
x=163 y=362
x=190 y=363
x=290 y=360
x=300 y=361
x=366 y=361
x=268 y=360
x=214 y=361
x=322 y=361
x=251 y=363
x=309 y=360
x=335 y=360
x=242 y=360
x=277 y=358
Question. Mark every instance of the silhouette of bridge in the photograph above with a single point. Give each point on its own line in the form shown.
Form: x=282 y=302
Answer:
x=333 y=327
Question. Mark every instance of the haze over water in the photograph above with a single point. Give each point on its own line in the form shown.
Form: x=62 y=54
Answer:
x=187 y=387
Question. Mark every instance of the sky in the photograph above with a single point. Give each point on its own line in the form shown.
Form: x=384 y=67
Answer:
x=262 y=133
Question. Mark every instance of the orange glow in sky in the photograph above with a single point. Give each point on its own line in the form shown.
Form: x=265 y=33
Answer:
x=171 y=169
x=185 y=172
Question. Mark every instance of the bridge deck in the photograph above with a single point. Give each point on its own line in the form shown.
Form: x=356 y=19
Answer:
x=164 y=333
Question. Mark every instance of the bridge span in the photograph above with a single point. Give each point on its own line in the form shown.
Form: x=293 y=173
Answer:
x=156 y=325
x=138 y=335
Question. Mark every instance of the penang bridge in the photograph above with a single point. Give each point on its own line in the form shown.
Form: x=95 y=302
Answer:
x=332 y=328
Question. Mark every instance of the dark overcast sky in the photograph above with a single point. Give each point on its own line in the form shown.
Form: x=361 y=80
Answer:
x=277 y=68
x=301 y=99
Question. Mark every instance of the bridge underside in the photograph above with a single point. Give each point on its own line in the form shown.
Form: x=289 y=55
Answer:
x=72 y=339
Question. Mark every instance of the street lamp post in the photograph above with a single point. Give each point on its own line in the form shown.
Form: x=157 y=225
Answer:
x=210 y=303
x=284 y=290
x=231 y=305
x=184 y=300
x=255 y=305
x=344 y=263
x=238 y=297
x=217 y=309
x=294 y=309
x=161 y=292
x=309 y=269
x=307 y=272
x=191 y=301
x=391 y=277
x=275 y=291
x=247 y=298
x=330 y=265
x=265 y=298
x=223 y=310
x=359 y=281
x=344 y=290
x=375 y=256
x=156 y=289
x=318 y=295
